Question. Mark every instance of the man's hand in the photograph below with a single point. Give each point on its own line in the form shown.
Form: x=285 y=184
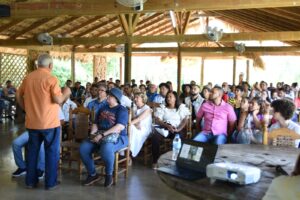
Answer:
x=67 y=91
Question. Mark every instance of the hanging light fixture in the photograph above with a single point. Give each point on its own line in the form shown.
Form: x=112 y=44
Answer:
x=132 y=3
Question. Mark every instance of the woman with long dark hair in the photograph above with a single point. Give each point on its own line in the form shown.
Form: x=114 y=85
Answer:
x=171 y=119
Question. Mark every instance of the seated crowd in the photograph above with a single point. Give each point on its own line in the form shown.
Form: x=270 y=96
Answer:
x=218 y=114
x=7 y=95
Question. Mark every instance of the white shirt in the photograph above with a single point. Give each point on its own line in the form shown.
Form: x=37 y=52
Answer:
x=159 y=99
x=196 y=104
x=291 y=125
x=87 y=101
x=66 y=108
x=61 y=114
x=125 y=101
x=172 y=116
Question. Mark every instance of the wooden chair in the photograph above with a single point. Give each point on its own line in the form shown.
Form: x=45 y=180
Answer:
x=189 y=125
x=282 y=137
x=121 y=164
x=78 y=131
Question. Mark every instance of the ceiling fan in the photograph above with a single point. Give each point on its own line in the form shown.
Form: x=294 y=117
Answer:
x=135 y=4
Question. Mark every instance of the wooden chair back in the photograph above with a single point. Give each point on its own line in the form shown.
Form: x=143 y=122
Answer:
x=119 y=161
x=79 y=123
x=282 y=137
x=189 y=125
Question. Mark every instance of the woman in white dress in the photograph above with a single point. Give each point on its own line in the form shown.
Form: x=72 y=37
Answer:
x=141 y=123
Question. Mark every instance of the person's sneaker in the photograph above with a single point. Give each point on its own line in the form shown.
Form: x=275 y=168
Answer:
x=108 y=180
x=19 y=172
x=91 y=179
x=40 y=174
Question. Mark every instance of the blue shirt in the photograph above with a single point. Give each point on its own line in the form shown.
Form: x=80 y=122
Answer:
x=151 y=96
x=97 y=105
x=108 y=117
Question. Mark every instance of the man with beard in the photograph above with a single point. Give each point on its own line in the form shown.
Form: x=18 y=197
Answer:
x=219 y=119
x=194 y=99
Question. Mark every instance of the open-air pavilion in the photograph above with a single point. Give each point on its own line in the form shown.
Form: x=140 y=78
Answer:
x=176 y=29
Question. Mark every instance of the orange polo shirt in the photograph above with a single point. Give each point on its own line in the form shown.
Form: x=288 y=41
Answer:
x=37 y=89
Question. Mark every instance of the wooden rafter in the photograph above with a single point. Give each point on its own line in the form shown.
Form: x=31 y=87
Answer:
x=186 y=22
x=107 y=31
x=31 y=27
x=150 y=22
x=53 y=8
x=62 y=24
x=200 y=49
x=129 y=22
x=227 y=37
x=82 y=25
x=9 y=25
x=135 y=21
x=124 y=23
x=94 y=28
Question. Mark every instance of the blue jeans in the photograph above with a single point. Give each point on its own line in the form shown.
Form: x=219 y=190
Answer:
x=51 y=138
x=106 y=151
x=209 y=137
x=17 y=146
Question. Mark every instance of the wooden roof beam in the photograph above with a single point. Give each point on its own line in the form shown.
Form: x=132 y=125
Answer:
x=31 y=27
x=124 y=23
x=61 y=24
x=147 y=25
x=9 y=25
x=202 y=49
x=82 y=25
x=53 y=8
x=135 y=21
x=149 y=19
x=227 y=37
x=186 y=22
x=94 y=28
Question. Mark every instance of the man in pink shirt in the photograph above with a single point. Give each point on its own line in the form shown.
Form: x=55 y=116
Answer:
x=219 y=119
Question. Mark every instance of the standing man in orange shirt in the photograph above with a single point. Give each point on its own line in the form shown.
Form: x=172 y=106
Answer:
x=40 y=95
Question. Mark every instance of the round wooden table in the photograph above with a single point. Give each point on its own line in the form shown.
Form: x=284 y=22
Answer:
x=263 y=157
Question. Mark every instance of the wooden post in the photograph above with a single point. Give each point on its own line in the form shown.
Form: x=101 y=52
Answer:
x=179 y=69
x=248 y=71
x=234 y=70
x=94 y=67
x=128 y=55
x=73 y=66
x=121 y=69
x=202 y=71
